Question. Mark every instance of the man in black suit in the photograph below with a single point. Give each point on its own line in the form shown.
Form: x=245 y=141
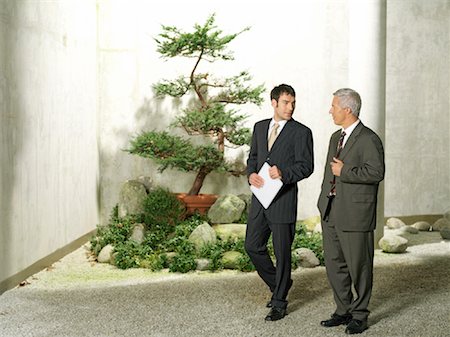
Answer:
x=347 y=204
x=291 y=160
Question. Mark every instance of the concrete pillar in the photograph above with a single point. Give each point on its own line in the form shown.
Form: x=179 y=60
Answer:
x=367 y=71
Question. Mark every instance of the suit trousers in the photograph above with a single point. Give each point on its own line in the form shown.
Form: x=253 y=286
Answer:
x=278 y=277
x=349 y=263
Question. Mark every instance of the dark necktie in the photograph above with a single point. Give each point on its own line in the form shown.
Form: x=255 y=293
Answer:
x=338 y=152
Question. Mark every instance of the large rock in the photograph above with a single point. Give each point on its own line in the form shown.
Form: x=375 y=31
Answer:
x=306 y=258
x=440 y=223
x=230 y=231
x=230 y=260
x=247 y=198
x=105 y=254
x=394 y=223
x=202 y=235
x=422 y=226
x=131 y=198
x=393 y=244
x=147 y=182
x=227 y=209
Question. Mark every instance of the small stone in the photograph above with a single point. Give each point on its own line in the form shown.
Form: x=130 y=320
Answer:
x=105 y=254
x=422 y=226
x=230 y=260
x=306 y=258
x=394 y=223
x=445 y=233
x=440 y=223
x=393 y=244
x=202 y=264
x=230 y=231
x=138 y=233
x=227 y=209
x=202 y=235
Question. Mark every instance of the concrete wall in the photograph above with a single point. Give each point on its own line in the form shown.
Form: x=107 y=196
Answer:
x=418 y=107
x=48 y=127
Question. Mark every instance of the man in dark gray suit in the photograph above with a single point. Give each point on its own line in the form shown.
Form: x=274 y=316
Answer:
x=347 y=204
x=291 y=160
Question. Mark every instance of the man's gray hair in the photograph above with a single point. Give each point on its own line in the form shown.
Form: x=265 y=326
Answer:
x=349 y=98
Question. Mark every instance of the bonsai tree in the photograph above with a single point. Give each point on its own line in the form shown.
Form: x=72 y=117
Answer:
x=212 y=114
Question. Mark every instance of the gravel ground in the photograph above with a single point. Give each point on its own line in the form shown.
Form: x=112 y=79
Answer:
x=77 y=297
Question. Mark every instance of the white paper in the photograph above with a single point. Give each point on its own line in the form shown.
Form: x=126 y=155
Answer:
x=269 y=190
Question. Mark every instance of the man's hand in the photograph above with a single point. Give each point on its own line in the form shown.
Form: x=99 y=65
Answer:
x=336 y=166
x=274 y=172
x=255 y=180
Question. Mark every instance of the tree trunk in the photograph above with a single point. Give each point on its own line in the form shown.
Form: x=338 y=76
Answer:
x=221 y=141
x=198 y=182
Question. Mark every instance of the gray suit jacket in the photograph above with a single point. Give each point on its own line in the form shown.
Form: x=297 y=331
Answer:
x=354 y=206
x=292 y=153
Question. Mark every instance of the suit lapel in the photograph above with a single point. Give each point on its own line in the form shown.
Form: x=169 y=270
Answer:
x=351 y=140
x=266 y=132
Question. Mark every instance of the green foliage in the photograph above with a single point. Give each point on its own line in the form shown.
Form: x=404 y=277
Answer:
x=115 y=233
x=130 y=254
x=205 y=41
x=163 y=238
x=176 y=152
x=183 y=263
x=162 y=208
x=244 y=217
x=214 y=252
x=153 y=261
x=208 y=114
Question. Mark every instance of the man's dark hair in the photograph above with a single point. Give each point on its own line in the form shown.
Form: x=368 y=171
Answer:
x=281 y=89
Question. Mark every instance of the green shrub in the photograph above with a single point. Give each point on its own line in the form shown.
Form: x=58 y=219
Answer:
x=183 y=263
x=116 y=232
x=162 y=208
x=214 y=252
x=173 y=236
x=154 y=261
x=130 y=254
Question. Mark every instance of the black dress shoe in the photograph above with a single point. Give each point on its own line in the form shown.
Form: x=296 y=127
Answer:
x=275 y=314
x=269 y=304
x=336 y=320
x=356 y=326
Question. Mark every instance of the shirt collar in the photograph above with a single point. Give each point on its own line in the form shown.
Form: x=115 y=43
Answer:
x=281 y=123
x=350 y=129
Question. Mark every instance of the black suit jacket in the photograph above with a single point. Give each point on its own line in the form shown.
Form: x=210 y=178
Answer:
x=292 y=153
x=357 y=188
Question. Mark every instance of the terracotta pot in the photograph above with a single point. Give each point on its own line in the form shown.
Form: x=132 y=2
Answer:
x=200 y=202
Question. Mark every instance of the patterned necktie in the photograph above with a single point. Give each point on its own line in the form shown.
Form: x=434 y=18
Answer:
x=338 y=152
x=273 y=135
